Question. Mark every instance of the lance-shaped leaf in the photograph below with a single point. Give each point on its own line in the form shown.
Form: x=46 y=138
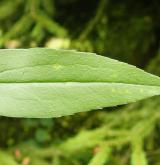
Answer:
x=43 y=82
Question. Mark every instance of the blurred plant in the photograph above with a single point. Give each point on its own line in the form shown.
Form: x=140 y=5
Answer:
x=33 y=19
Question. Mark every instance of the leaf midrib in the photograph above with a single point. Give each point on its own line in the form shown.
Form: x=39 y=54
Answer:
x=78 y=83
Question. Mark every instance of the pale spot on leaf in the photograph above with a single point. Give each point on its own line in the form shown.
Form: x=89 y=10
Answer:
x=57 y=66
x=141 y=90
x=113 y=90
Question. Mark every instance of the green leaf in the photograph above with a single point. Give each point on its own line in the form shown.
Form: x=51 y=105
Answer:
x=138 y=156
x=7 y=159
x=102 y=157
x=45 y=83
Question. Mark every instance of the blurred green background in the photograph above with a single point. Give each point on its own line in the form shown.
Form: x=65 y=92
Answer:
x=127 y=30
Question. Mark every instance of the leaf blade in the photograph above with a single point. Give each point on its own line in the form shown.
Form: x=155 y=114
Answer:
x=60 y=99
x=42 y=82
x=68 y=66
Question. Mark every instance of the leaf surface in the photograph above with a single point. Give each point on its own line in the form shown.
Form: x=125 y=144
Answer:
x=42 y=82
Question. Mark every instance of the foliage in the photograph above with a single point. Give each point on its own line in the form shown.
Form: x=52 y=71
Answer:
x=44 y=83
x=125 y=30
